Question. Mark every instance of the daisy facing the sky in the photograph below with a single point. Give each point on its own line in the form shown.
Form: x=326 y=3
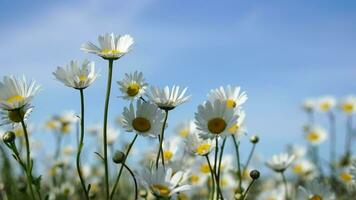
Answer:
x=166 y=98
x=230 y=95
x=132 y=86
x=111 y=46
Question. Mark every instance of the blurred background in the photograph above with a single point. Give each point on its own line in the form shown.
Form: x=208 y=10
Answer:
x=278 y=51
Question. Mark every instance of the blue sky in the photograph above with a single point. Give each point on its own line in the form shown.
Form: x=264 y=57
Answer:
x=278 y=51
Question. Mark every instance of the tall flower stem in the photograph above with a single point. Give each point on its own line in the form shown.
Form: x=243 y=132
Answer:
x=28 y=155
x=105 y=145
x=239 y=174
x=219 y=167
x=212 y=176
x=121 y=168
x=161 y=138
x=219 y=193
x=80 y=146
x=249 y=156
x=248 y=189
x=285 y=185
x=348 y=138
x=332 y=131
x=58 y=147
x=134 y=179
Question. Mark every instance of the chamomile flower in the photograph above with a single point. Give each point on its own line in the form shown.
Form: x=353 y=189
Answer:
x=347 y=177
x=132 y=86
x=16 y=93
x=170 y=149
x=303 y=168
x=348 y=105
x=214 y=119
x=309 y=105
x=111 y=46
x=280 y=162
x=167 y=99
x=231 y=96
x=297 y=150
x=326 y=103
x=184 y=129
x=239 y=128
x=315 y=190
x=163 y=183
x=146 y=120
x=197 y=145
x=315 y=135
x=12 y=117
x=76 y=74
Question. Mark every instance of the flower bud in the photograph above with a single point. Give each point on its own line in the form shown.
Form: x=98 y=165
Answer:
x=118 y=157
x=9 y=137
x=254 y=174
x=254 y=139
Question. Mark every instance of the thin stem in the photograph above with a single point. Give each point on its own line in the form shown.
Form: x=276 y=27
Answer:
x=121 y=168
x=134 y=179
x=216 y=167
x=249 y=157
x=105 y=145
x=237 y=145
x=248 y=189
x=219 y=167
x=81 y=144
x=28 y=155
x=58 y=147
x=348 y=136
x=332 y=140
x=212 y=176
x=161 y=138
x=285 y=185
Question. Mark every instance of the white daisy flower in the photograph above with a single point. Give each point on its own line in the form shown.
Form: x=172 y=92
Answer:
x=12 y=117
x=239 y=128
x=347 y=177
x=214 y=119
x=348 y=104
x=111 y=46
x=133 y=86
x=315 y=135
x=197 y=145
x=16 y=93
x=76 y=74
x=309 y=105
x=231 y=96
x=303 y=168
x=167 y=99
x=170 y=148
x=297 y=150
x=326 y=103
x=145 y=121
x=315 y=190
x=280 y=162
x=163 y=183
x=184 y=129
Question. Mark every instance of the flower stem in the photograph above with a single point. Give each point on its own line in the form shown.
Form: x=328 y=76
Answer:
x=121 y=168
x=348 y=141
x=248 y=189
x=249 y=157
x=105 y=145
x=219 y=167
x=285 y=184
x=28 y=155
x=212 y=176
x=161 y=138
x=332 y=140
x=134 y=179
x=237 y=145
x=219 y=193
x=81 y=144
x=58 y=147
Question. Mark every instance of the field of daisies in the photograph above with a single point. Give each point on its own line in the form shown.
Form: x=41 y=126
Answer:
x=189 y=163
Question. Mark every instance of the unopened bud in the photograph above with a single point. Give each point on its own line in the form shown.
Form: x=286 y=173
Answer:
x=9 y=137
x=254 y=139
x=255 y=174
x=118 y=157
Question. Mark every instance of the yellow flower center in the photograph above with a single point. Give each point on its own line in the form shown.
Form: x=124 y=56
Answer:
x=83 y=78
x=184 y=132
x=230 y=103
x=65 y=128
x=325 y=106
x=167 y=155
x=298 y=169
x=233 y=129
x=162 y=189
x=205 y=168
x=346 y=177
x=216 y=125
x=141 y=124
x=203 y=148
x=15 y=99
x=315 y=197
x=347 y=107
x=313 y=137
x=133 y=89
x=223 y=182
x=16 y=117
x=51 y=124
x=110 y=51
x=194 y=179
x=18 y=132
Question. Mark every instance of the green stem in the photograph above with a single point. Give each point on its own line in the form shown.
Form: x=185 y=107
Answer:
x=212 y=176
x=80 y=146
x=161 y=138
x=348 y=136
x=237 y=145
x=134 y=179
x=216 y=167
x=105 y=145
x=121 y=168
x=285 y=185
x=58 y=147
x=249 y=157
x=332 y=141
x=28 y=156
x=248 y=189
x=219 y=168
